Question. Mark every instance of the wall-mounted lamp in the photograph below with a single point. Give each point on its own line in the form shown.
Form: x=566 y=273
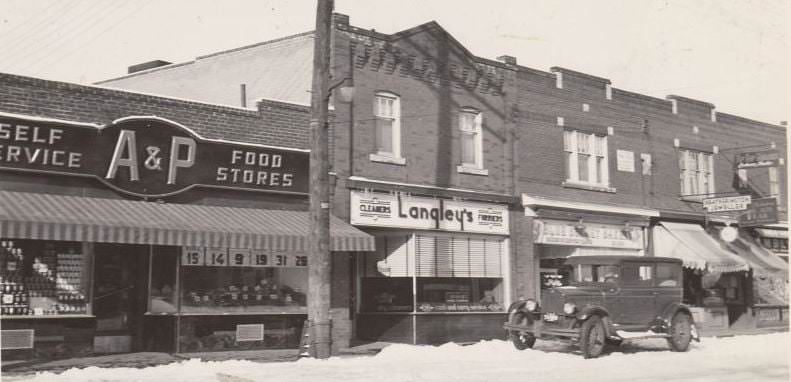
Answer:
x=627 y=230
x=345 y=89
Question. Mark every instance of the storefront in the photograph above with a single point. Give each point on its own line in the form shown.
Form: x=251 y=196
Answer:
x=440 y=270
x=716 y=280
x=768 y=279
x=86 y=271
x=558 y=239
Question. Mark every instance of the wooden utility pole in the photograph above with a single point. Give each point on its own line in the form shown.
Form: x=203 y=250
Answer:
x=319 y=270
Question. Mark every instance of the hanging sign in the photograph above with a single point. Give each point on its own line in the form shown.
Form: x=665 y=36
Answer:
x=757 y=159
x=386 y=210
x=148 y=156
x=761 y=211
x=731 y=203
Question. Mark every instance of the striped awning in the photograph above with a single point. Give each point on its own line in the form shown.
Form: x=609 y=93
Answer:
x=761 y=260
x=77 y=218
x=698 y=250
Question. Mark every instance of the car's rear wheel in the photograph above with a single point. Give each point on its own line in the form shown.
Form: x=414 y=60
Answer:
x=593 y=337
x=680 y=332
x=521 y=340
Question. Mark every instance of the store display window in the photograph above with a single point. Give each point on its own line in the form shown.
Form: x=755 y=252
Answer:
x=433 y=273
x=227 y=281
x=163 y=292
x=44 y=278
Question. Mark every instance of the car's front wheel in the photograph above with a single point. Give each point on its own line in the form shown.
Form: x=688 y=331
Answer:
x=680 y=332
x=521 y=340
x=593 y=337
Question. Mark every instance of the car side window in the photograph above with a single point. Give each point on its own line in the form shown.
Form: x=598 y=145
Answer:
x=668 y=275
x=637 y=274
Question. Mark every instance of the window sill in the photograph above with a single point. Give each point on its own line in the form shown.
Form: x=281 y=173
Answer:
x=387 y=159
x=462 y=169
x=589 y=187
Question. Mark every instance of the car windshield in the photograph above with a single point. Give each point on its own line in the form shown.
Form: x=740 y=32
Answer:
x=590 y=273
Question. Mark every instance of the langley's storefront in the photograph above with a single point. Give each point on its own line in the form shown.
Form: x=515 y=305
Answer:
x=440 y=270
x=84 y=271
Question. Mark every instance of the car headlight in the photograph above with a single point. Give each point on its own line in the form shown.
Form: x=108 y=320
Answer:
x=569 y=308
x=531 y=305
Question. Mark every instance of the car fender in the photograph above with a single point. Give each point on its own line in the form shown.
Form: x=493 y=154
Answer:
x=595 y=310
x=518 y=306
x=676 y=307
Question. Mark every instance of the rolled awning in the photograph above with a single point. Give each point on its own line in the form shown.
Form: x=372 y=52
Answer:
x=698 y=250
x=77 y=218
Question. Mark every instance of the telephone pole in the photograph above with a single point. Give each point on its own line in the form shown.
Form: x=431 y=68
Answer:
x=319 y=263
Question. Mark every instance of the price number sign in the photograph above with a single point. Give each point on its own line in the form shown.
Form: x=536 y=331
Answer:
x=225 y=257
x=239 y=257
x=217 y=257
x=193 y=256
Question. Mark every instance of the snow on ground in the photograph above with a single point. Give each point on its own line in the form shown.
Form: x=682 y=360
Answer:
x=751 y=358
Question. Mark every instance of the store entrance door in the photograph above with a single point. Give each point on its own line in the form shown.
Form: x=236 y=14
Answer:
x=119 y=296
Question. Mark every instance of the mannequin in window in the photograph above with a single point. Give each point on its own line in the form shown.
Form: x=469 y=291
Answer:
x=488 y=298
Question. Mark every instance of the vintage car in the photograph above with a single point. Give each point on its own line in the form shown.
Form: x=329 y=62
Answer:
x=608 y=299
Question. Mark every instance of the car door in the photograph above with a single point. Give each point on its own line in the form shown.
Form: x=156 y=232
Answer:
x=669 y=289
x=637 y=298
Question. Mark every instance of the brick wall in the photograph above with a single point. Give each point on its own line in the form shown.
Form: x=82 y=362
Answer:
x=641 y=124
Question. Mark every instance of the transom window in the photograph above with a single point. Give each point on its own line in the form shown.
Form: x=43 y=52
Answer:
x=387 y=111
x=586 y=158
x=471 y=145
x=697 y=175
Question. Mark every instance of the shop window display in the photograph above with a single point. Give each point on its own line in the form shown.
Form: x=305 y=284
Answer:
x=433 y=273
x=43 y=278
x=223 y=284
x=459 y=295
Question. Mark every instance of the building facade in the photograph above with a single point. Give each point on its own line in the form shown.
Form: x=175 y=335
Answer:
x=131 y=222
x=581 y=167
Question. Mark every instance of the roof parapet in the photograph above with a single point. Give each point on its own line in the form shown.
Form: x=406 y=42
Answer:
x=575 y=73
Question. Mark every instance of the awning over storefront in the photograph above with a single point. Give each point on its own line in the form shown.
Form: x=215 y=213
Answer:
x=761 y=260
x=76 y=218
x=698 y=250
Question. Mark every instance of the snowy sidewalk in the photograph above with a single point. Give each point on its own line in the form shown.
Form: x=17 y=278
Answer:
x=145 y=360
x=730 y=359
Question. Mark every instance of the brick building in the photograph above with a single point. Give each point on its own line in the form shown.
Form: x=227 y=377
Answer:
x=580 y=166
x=133 y=222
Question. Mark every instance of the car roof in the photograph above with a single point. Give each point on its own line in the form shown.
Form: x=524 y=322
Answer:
x=617 y=259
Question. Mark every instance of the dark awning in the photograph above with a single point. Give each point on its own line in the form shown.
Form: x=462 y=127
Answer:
x=77 y=218
x=698 y=250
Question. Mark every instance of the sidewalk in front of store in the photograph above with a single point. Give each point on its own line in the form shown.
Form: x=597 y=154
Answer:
x=147 y=359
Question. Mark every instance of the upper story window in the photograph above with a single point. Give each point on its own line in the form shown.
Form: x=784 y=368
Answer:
x=586 y=158
x=697 y=173
x=387 y=113
x=471 y=138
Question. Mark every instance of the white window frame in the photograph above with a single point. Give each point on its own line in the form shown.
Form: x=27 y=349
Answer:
x=696 y=174
x=774 y=184
x=394 y=155
x=597 y=176
x=476 y=130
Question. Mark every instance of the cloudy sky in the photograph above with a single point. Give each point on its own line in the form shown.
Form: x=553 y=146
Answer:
x=733 y=53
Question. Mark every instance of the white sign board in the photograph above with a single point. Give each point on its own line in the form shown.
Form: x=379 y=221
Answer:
x=625 y=160
x=386 y=210
x=732 y=203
